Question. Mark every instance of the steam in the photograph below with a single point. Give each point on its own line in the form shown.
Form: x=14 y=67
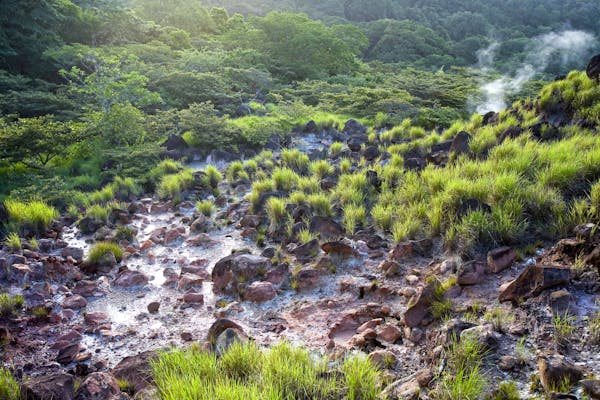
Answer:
x=567 y=45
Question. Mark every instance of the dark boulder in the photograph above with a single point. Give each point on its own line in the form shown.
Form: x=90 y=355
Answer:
x=511 y=132
x=371 y=153
x=49 y=387
x=99 y=386
x=353 y=127
x=490 y=118
x=175 y=142
x=230 y=271
x=593 y=68
x=222 y=156
x=415 y=164
x=460 y=144
x=356 y=142
x=533 y=281
x=136 y=370
x=373 y=179
x=326 y=227
x=311 y=127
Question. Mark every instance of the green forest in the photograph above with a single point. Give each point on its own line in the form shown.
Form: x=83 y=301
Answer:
x=385 y=199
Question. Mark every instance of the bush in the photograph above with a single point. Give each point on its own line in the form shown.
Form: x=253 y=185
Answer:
x=13 y=241
x=34 y=216
x=213 y=176
x=9 y=305
x=206 y=207
x=276 y=212
x=100 y=249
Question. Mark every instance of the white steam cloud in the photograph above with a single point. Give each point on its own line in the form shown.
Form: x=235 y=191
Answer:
x=566 y=45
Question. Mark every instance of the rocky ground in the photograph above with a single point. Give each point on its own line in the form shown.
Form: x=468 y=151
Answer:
x=186 y=278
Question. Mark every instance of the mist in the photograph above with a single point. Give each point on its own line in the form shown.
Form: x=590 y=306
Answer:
x=567 y=46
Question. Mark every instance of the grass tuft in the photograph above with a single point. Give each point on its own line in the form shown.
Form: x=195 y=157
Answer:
x=100 y=249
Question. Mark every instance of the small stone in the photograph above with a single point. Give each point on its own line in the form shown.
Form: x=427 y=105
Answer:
x=389 y=333
x=153 y=307
x=507 y=363
x=75 y=302
x=259 y=292
x=193 y=298
x=591 y=387
x=186 y=336
x=501 y=258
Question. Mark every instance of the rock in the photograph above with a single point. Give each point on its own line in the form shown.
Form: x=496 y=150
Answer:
x=416 y=313
x=67 y=353
x=534 y=280
x=371 y=153
x=415 y=164
x=222 y=155
x=490 y=118
x=306 y=278
x=85 y=288
x=259 y=292
x=175 y=142
x=326 y=227
x=591 y=387
x=512 y=132
x=104 y=264
x=307 y=250
x=136 y=370
x=239 y=267
x=89 y=225
x=153 y=307
x=470 y=273
x=311 y=127
x=250 y=221
x=202 y=224
x=49 y=387
x=75 y=302
x=192 y=297
x=130 y=278
x=95 y=318
x=507 y=363
x=500 y=259
x=223 y=333
x=482 y=334
x=339 y=248
x=460 y=144
x=19 y=273
x=554 y=370
x=356 y=142
x=383 y=359
x=389 y=333
x=188 y=281
x=98 y=386
x=353 y=127
x=74 y=252
x=593 y=68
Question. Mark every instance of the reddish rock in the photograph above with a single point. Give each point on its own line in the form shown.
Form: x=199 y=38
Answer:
x=187 y=281
x=470 y=273
x=306 y=278
x=250 y=221
x=259 y=292
x=500 y=259
x=383 y=358
x=193 y=298
x=75 y=302
x=402 y=250
x=238 y=267
x=172 y=236
x=74 y=252
x=339 y=248
x=136 y=370
x=95 y=318
x=67 y=353
x=98 y=386
x=534 y=280
x=85 y=288
x=146 y=245
x=49 y=387
x=326 y=227
x=417 y=312
x=554 y=370
x=153 y=307
x=130 y=278
x=389 y=333
x=369 y=325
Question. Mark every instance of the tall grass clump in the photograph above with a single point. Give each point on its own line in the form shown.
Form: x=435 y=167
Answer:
x=100 y=249
x=206 y=207
x=213 y=176
x=321 y=168
x=236 y=171
x=9 y=305
x=296 y=160
x=35 y=216
x=259 y=188
x=13 y=241
x=354 y=217
x=276 y=212
x=125 y=188
x=284 y=179
x=335 y=149
x=9 y=387
x=173 y=185
x=245 y=372
x=320 y=204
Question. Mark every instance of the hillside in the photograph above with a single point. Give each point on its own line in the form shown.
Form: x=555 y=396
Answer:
x=342 y=200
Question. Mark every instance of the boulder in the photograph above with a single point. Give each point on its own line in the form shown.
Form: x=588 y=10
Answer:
x=136 y=370
x=326 y=227
x=419 y=309
x=67 y=353
x=389 y=333
x=239 y=267
x=591 y=387
x=153 y=307
x=339 y=248
x=202 y=224
x=222 y=156
x=353 y=127
x=500 y=259
x=130 y=278
x=223 y=333
x=259 y=292
x=75 y=302
x=74 y=252
x=470 y=273
x=306 y=278
x=533 y=281
x=307 y=250
x=415 y=164
x=371 y=153
x=593 y=68
x=49 y=387
x=98 y=386
x=484 y=335
x=554 y=370
x=356 y=142
x=460 y=144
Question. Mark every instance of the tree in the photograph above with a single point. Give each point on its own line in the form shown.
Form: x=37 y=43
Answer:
x=35 y=142
x=206 y=129
x=108 y=82
x=122 y=125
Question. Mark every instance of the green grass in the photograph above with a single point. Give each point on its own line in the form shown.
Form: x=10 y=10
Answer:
x=13 y=241
x=9 y=305
x=101 y=248
x=246 y=372
x=125 y=233
x=236 y=171
x=564 y=327
x=213 y=176
x=276 y=211
x=321 y=168
x=284 y=179
x=206 y=207
x=9 y=387
x=354 y=217
x=499 y=318
x=295 y=160
x=101 y=196
x=171 y=186
x=594 y=328
x=125 y=188
x=35 y=216
x=320 y=204
x=305 y=235
x=97 y=212
x=464 y=385
x=335 y=149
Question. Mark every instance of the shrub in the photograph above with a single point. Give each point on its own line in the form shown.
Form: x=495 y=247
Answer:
x=284 y=179
x=9 y=388
x=206 y=207
x=125 y=233
x=125 y=188
x=320 y=205
x=321 y=168
x=35 y=216
x=354 y=216
x=276 y=212
x=100 y=249
x=296 y=160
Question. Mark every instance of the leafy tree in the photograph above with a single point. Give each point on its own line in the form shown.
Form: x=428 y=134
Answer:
x=35 y=142
x=109 y=83
x=122 y=125
x=205 y=129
